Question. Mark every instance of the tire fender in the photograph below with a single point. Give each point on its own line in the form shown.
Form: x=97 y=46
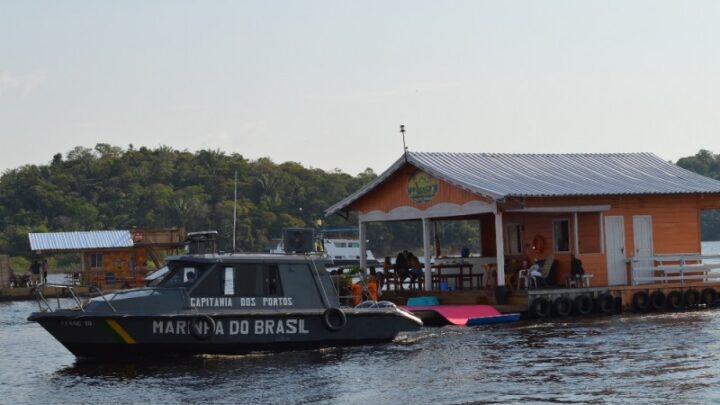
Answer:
x=563 y=306
x=334 y=319
x=202 y=327
x=583 y=304
x=657 y=300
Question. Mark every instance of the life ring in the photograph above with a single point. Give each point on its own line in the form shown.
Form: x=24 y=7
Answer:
x=563 y=306
x=540 y=307
x=583 y=304
x=640 y=301
x=709 y=297
x=334 y=319
x=657 y=300
x=202 y=327
x=691 y=297
x=538 y=244
x=606 y=303
x=674 y=300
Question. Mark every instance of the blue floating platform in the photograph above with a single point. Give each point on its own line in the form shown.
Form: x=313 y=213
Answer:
x=489 y=320
x=422 y=301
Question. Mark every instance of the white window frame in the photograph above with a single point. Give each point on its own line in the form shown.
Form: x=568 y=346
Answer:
x=555 y=239
x=93 y=262
x=519 y=233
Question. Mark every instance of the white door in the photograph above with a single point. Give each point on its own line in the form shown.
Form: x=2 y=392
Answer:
x=615 y=252
x=643 y=241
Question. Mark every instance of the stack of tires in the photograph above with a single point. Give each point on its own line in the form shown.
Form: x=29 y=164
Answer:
x=675 y=300
x=562 y=306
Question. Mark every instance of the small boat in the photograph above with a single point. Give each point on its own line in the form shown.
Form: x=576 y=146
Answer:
x=222 y=304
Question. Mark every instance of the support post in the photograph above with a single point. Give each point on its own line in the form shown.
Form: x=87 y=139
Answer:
x=500 y=290
x=427 y=253
x=500 y=249
x=362 y=231
x=576 y=235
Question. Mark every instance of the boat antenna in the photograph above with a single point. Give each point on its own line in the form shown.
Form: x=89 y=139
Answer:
x=234 y=212
x=405 y=149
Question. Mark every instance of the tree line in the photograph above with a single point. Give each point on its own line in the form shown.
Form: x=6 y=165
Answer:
x=109 y=187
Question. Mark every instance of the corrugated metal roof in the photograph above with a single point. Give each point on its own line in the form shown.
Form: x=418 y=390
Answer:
x=58 y=241
x=500 y=175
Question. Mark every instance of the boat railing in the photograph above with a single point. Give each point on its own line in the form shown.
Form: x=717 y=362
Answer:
x=45 y=305
x=680 y=268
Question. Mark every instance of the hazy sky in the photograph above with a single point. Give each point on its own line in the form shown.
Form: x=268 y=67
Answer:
x=327 y=83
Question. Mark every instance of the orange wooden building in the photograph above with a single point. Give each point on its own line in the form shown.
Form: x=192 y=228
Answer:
x=606 y=209
x=112 y=259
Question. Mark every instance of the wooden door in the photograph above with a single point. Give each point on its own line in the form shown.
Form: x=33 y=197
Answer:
x=615 y=253
x=643 y=243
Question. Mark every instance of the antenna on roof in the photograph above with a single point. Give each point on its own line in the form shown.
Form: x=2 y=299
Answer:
x=405 y=149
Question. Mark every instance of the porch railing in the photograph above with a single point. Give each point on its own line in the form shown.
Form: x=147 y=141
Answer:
x=675 y=268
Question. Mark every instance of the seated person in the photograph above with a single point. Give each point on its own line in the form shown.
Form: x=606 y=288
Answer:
x=576 y=270
x=414 y=268
x=536 y=275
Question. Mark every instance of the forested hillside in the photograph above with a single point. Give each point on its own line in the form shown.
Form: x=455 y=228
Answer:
x=109 y=187
x=707 y=164
x=113 y=188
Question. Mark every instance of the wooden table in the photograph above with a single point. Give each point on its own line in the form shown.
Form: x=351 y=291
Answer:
x=460 y=277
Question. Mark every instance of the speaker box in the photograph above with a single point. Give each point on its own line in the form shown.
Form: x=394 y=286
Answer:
x=298 y=240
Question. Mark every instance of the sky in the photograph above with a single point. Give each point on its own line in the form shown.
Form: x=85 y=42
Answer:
x=328 y=83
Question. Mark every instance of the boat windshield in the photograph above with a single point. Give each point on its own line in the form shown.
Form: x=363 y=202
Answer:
x=156 y=277
x=182 y=275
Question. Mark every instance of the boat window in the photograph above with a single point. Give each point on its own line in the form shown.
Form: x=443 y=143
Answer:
x=340 y=244
x=229 y=281
x=182 y=275
x=354 y=244
x=257 y=280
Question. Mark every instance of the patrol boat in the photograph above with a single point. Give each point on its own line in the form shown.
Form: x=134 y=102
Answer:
x=222 y=304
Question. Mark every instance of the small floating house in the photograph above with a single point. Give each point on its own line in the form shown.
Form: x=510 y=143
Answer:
x=604 y=209
x=112 y=259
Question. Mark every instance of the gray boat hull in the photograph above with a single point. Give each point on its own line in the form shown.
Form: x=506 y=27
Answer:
x=113 y=335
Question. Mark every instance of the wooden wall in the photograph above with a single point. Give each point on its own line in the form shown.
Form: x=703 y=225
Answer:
x=393 y=194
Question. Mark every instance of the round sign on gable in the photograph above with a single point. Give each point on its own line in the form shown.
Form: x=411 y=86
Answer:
x=422 y=187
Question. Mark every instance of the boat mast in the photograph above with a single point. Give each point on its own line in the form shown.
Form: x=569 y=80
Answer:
x=234 y=212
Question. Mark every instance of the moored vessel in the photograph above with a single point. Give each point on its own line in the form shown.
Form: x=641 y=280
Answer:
x=222 y=304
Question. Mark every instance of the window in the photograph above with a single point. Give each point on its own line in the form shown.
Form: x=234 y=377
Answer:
x=229 y=286
x=96 y=260
x=182 y=275
x=257 y=280
x=514 y=244
x=561 y=235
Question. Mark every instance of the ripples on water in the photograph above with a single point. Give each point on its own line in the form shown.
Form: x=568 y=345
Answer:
x=662 y=358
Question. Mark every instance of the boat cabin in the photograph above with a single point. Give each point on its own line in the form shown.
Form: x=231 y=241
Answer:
x=251 y=281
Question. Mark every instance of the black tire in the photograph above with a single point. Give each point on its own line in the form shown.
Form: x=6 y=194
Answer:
x=334 y=319
x=640 y=301
x=563 y=306
x=202 y=327
x=691 y=298
x=674 y=300
x=709 y=297
x=606 y=304
x=657 y=301
x=540 y=307
x=583 y=304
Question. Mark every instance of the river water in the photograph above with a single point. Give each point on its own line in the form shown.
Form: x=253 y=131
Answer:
x=655 y=358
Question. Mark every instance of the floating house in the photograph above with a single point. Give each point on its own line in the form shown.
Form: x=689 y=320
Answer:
x=112 y=259
x=604 y=209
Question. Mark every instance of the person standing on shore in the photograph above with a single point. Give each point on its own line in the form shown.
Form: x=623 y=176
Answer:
x=44 y=271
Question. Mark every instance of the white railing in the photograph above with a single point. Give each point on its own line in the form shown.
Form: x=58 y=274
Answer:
x=675 y=268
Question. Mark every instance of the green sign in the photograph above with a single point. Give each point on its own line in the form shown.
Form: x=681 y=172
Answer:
x=422 y=187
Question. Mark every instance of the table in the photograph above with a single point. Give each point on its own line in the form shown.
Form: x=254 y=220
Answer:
x=460 y=277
